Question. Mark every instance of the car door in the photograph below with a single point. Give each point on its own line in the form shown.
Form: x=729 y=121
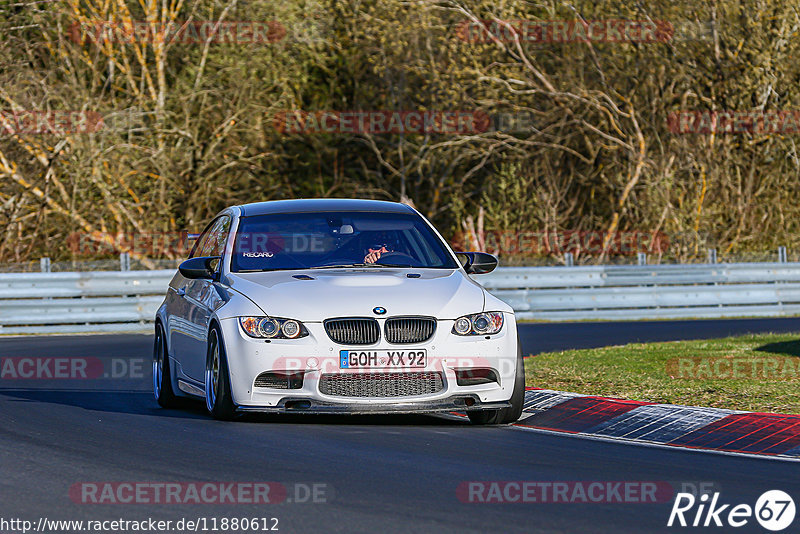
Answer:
x=190 y=325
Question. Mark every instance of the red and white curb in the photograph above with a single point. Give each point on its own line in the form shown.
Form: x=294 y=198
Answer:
x=664 y=424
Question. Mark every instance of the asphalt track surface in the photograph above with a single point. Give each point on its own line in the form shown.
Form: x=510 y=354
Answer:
x=380 y=473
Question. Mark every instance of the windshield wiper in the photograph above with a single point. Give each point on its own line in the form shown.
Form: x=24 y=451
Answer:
x=348 y=265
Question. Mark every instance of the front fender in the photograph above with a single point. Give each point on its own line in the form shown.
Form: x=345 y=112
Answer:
x=234 y=304
x=492 y=303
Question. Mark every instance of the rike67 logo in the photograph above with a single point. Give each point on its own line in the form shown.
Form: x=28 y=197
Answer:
x=774 y=510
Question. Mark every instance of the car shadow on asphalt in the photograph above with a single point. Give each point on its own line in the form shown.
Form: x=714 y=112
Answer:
x=142 y=403
x=784 y=348
x=128 y=402
x=357 y=420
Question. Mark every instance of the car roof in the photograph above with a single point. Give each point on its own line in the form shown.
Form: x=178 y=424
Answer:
x=311 y=205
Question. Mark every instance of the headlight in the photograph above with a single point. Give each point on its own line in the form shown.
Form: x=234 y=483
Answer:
x=290 y=329
x=479 y=324
x=272 y=328
x=267 y=327
x=463 y=326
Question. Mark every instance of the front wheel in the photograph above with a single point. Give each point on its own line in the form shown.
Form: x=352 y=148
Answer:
x=219 y=400
x=505 y=415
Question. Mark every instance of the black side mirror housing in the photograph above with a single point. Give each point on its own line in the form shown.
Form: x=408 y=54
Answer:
x=199 y=268
x=477 y=262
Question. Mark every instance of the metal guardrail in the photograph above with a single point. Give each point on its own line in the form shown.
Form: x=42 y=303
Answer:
x=127 y=300
x=115 y=301
x=648 y=291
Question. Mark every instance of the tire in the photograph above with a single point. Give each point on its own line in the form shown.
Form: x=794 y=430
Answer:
x=219 y=400
x=162 y=377
x=505 y=415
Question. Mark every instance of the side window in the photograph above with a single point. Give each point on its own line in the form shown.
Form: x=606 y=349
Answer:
x=215 y=245
x=212 y=240
x=199 y=244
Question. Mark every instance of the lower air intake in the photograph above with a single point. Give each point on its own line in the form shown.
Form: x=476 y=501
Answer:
x=279 y=380
x=385 y=385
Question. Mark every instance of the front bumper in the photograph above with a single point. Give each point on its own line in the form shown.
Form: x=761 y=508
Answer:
x=291 y=404
x=315 y=355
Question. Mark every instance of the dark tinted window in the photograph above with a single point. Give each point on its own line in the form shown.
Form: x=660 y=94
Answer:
x=318 y=240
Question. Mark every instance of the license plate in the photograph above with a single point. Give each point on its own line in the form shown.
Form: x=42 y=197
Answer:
x=381 y=359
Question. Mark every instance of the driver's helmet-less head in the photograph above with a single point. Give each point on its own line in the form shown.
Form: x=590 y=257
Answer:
x=378 y=240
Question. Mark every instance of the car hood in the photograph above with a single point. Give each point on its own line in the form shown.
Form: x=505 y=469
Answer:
x=441 y=293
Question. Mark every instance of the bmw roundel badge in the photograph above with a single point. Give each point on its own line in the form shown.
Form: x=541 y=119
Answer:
x=379 y=310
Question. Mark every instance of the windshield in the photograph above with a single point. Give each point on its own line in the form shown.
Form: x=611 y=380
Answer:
x=337 y=239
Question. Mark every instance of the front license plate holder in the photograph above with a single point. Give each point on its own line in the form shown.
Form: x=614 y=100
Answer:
x=382 y=359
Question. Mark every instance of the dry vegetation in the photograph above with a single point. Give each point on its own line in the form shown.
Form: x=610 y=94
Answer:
x=189 y=127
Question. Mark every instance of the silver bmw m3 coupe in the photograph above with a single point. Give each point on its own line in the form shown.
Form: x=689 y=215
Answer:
x=335 y=306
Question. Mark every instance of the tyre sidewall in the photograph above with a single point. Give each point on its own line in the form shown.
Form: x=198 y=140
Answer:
x=223 y=408
x=166 y=397
x=511 y=414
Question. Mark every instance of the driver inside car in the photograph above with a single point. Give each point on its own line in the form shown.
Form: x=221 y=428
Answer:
x=377 y=245
x=375 y=251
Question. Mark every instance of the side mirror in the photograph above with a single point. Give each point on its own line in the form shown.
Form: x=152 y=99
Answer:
x=199 y=268
x=477 y=262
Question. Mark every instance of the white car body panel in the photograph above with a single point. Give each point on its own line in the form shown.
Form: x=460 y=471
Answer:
x=317 y=354
x=441 y=293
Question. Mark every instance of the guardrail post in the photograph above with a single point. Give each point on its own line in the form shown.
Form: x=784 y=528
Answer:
x=569 y=259
x=44 y=264
x=641 y=258
x=781 y=254
x=124 y=261
x=712 y=255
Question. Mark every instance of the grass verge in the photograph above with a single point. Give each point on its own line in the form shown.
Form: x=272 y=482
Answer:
x=756 y=372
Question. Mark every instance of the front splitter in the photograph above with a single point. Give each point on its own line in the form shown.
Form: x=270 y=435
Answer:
x=312 y=406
